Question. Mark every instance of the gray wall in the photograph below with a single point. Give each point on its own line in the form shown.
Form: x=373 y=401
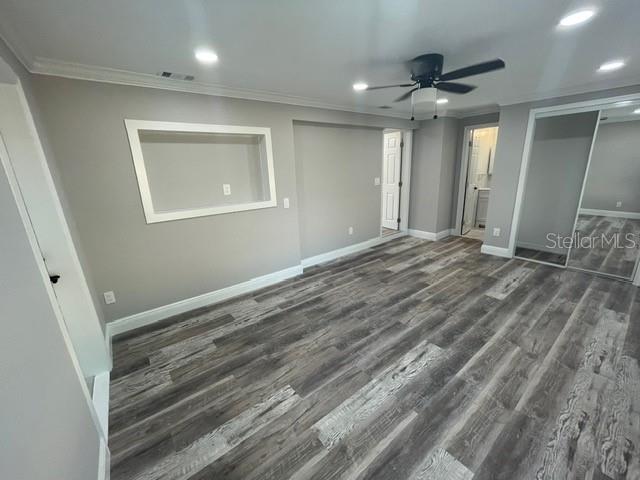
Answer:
x=149 y=266
x=557 y=166
x=504 y=182
x=47 y=430
x=433 y=175
x=614 y=172
x=336 y=166
x=187 y=171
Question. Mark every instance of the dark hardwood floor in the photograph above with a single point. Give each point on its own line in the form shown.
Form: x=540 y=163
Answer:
x=412 y=360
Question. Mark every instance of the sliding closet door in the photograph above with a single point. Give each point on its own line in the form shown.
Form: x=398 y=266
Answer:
x=607 y=237
x=557 y=165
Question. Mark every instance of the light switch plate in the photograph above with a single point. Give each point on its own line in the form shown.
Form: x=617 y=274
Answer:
x=285 y=203
x=226 y=189
x=618 y=204
x=109 y=298
x=376 y=181
x=350 y=230
x=496 y=232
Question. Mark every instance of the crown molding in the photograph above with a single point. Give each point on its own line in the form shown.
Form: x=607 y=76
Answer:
x=44 y=66
x=584 y=89
x=17 y=48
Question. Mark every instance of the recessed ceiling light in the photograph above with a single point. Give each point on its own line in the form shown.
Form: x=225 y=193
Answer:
x=205 y=56
x=576 y=18
x=360 y=86
x=637 y=110
x=611 y=66
x=442 y=101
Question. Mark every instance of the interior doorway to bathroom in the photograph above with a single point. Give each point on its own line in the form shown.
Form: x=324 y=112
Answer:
x=477 y=170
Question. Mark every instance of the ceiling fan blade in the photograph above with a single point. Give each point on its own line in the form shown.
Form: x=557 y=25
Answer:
x=477 y=69
x=406 y=95
x=454 y=87
x=392 y=86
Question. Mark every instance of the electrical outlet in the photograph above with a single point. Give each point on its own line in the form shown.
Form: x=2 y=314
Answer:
x=226 y=189
x=109 y=298
x=350 y=230
x=285 y=203
x=618 y=204
x=496 y=232
x=376 y=181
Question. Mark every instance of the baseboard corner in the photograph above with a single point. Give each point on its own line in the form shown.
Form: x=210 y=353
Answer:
x=496 y=251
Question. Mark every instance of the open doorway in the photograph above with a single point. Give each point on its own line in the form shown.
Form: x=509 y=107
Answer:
x=394 y=182
x=476 y=172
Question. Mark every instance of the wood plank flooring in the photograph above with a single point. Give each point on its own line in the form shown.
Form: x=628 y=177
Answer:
x=412 y=360
x=606 y=258
x=548 y=257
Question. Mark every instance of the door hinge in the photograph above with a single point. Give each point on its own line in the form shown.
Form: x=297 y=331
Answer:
x=471 y=143
x=401 y=144
x=400 y=184
x=398 y=220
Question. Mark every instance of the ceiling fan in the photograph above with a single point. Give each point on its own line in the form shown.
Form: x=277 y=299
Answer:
x=426 y=72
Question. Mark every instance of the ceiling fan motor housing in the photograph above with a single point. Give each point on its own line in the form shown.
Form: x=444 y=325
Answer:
x=425 y=69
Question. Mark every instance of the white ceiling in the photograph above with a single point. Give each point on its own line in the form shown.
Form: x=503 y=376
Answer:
x=315 y=50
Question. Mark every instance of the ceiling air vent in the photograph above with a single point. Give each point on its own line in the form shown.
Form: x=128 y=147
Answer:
x=177 y=76
x=384 y=107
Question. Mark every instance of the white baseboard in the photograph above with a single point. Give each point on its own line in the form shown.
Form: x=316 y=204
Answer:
x=431 y=235
x=104 y=461
x=100 y=397
x=155 y=314
x=497 y=251
x=610 y=213
x=341 y=252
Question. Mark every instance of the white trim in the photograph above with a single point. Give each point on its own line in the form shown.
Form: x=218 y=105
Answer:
x=148 y=317
x=46 y=66
x=104 y=461
x=100 y=397
x=496 y=251
x=522 y=178
x=610 y=213
x=405 y=191
x=341 y=252
x=433 y=236
x=464 y=166
x=79 y=71
x=134 y=126
x=584 y=182
x=636 y=280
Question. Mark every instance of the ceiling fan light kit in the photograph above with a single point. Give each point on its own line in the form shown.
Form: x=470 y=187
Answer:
x=427 y=78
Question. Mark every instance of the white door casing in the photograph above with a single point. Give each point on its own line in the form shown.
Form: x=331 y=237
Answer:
x=27 y=161
x=391 y=171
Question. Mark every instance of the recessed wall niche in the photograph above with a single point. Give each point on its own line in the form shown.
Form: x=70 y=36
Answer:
x=187 y=170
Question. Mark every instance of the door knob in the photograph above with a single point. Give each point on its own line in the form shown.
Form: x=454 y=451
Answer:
x=54 y=278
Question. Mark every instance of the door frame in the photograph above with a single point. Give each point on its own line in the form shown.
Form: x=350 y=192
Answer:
x=543 y=112
x=405 y=176
x=28 y=163
x=464 y=167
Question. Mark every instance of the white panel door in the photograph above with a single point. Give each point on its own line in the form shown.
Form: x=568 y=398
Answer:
x=391 y=166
